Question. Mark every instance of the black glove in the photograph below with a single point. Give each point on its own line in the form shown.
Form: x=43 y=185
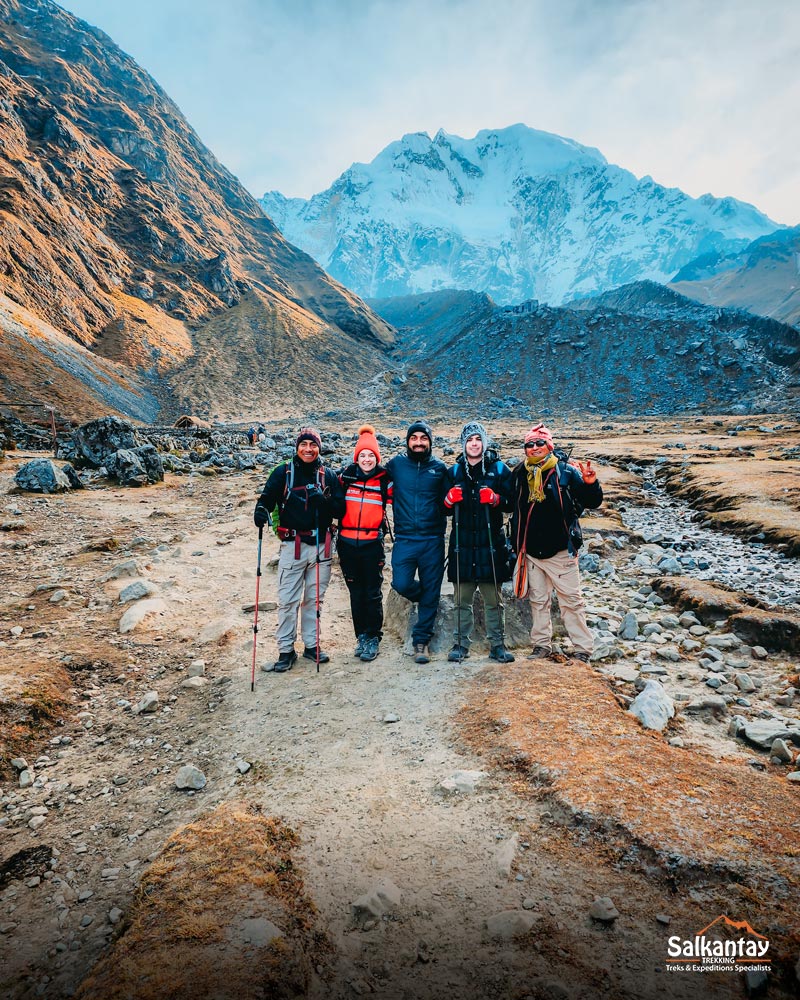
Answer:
x=260 y=515
x=314 y=495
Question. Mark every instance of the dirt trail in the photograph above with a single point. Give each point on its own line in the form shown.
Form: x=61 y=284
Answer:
x=363 y=793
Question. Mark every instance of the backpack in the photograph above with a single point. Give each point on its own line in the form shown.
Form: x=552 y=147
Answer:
x=275 y=514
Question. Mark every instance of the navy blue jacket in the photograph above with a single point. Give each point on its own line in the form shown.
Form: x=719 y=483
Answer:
x=418 y=493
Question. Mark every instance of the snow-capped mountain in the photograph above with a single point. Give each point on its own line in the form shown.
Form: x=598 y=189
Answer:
x=515 y=212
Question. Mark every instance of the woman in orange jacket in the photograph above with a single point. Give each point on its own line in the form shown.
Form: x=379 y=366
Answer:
x=361 y=555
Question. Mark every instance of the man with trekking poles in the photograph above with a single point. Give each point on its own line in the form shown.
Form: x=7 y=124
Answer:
x=305 y=497
x=479 y=489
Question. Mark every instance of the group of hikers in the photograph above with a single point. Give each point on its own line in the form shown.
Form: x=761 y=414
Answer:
x=545 y=495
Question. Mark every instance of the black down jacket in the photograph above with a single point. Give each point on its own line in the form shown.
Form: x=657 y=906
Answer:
x=475 y=555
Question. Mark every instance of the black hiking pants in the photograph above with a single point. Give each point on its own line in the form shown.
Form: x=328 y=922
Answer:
x=362 y=569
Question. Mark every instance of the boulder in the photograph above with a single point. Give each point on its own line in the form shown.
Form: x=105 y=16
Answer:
x=41 y=476
x=99 y=439
x=126 y=467
x=653 y=707
x=136 y=466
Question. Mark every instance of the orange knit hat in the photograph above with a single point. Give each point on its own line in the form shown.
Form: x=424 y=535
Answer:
x=368 y=441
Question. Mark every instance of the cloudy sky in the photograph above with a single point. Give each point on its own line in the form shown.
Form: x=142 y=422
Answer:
x=701 y=96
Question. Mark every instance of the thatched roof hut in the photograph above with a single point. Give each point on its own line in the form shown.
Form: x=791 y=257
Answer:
x=188 y=421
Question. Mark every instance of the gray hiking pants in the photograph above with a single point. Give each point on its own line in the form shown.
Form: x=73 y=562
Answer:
x=463 y=597
x=297 y=590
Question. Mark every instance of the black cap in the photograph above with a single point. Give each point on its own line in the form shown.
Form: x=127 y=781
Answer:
x=420 y=427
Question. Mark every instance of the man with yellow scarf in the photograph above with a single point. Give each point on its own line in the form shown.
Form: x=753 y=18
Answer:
x=549 y=494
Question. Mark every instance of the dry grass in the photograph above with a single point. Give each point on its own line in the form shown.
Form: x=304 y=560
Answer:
x=34 y=697
x=184 y=938
x=560 y=730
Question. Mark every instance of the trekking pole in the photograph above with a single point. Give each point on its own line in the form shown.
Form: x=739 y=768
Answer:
x=494 y=577
x=458 y=580
x=255 y=620
x=316 y=533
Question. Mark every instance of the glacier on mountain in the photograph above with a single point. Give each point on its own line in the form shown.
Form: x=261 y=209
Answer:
x=515 y=212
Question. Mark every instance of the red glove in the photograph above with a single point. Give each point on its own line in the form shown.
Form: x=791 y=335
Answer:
x=454 y=495
x=588 y=473
x=488 y=495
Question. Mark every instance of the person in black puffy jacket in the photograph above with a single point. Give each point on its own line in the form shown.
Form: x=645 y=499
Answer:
x=549 y=495
x=480 y=486
x=419 y=485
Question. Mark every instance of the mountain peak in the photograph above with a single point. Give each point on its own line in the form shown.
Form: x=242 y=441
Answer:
x=516 y=212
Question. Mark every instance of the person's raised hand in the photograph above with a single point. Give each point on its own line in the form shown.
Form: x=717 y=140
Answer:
x=589 y=474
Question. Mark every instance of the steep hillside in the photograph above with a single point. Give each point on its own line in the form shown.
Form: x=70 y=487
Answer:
x=641 y=349
x=515 y=212
x=763 y=278
x=122 y=230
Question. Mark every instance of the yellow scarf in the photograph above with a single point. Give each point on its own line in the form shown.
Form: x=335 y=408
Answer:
x=534 y=468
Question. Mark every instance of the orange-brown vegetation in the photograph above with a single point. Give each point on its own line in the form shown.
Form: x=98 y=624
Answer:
x=186 y=936
x=559 y=729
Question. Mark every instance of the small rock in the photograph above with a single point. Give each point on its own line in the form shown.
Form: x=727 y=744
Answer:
x=780 y=749
x=197 y=668
x=259 y=932
x=510 y=924
x=58 y=596
x=391 y=717
x=194 y=683
x=759 y=653
x=744 y=682
x=35 y=822
x=462 y=782
x=381 y=899
x=148 y=704
x=505 y=854
x=653 y=707
x=243 y=766
x=26 y=779
x=190 y=776
x=136 y=590
x=794 y=777
x=114 y=915
x=603 y=909
x=19 y=764
x=662 y=918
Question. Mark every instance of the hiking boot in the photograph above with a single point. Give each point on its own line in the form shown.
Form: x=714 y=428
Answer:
x=285 y=661
x=370 y=650
x=421 y=653
x=540 y=653
x=458 y=653
x=361 y=641
x=501 y=654
x=582 y=656
x=310 y=653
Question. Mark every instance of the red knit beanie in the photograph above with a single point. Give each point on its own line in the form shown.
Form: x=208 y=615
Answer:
x=368 y=441
x=540 y=433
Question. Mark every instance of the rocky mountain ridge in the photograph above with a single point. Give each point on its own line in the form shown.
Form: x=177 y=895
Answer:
x=514 y=212
x=122 y=230
x=640 y=349
x=763 y=278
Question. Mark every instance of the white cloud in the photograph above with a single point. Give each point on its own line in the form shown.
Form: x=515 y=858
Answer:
x=700 y=96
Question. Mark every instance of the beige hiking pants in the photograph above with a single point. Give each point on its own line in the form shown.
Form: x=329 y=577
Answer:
x=297 y=591
x=559 y=573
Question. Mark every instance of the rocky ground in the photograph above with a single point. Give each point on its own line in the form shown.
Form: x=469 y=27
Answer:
x=463 y=830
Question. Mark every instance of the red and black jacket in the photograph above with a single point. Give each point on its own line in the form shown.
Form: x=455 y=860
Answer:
x=366 y=495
